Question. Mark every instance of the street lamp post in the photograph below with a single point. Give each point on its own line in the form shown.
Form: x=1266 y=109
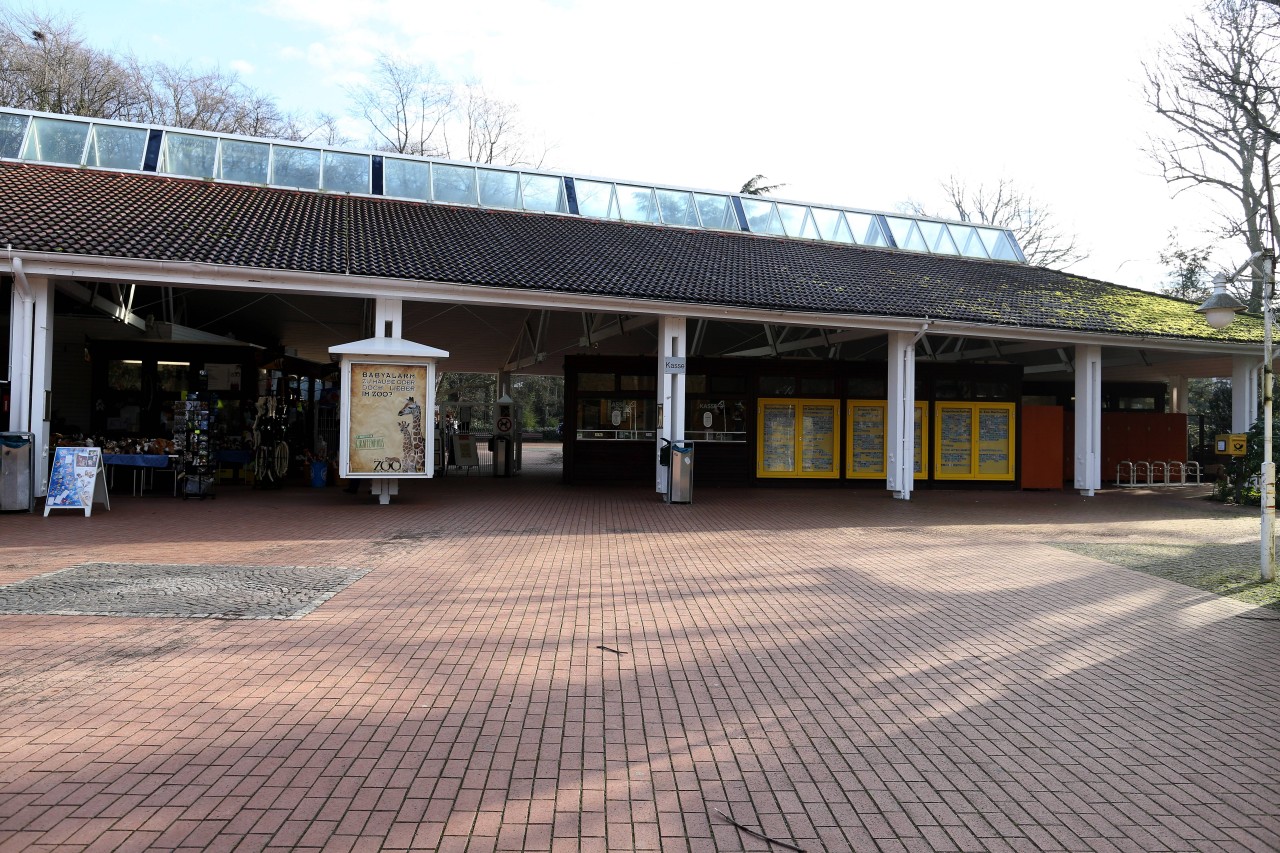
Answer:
x=1219 y=310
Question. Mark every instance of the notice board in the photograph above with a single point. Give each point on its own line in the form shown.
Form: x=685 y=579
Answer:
x=975 y=441
x=798 y=438
x=867 y=444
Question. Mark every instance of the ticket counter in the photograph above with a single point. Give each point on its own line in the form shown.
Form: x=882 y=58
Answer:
x=773 y=422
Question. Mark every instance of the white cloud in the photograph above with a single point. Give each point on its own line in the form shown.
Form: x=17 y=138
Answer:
x=241 y=66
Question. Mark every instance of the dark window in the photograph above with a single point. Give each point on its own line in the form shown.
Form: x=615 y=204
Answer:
x=778 y=386
x=728 y=384
x=867 y=388
x=595 y=382
x=811 y=386
x=645 y=382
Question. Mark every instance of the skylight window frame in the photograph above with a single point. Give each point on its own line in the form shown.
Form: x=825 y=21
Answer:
x=222 y=141
x=31 y=127
x=26 y=129
x=92 y=144
x=996 y=243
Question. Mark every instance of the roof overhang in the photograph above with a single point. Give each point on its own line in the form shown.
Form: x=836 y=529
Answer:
x=193 y=274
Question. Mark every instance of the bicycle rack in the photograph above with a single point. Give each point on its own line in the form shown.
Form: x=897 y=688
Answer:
x=1157 y=473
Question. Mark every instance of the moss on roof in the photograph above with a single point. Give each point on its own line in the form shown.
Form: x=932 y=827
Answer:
x=1139 y=312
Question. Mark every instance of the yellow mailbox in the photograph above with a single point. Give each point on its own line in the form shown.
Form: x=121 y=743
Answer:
x=1233 y=444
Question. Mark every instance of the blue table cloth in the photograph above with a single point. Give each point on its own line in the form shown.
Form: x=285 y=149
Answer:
x=137 y=460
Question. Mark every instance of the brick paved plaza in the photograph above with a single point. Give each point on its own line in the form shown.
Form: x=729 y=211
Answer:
x=833 y=668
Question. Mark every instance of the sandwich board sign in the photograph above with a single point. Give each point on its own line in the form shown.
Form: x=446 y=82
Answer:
x=77 y=480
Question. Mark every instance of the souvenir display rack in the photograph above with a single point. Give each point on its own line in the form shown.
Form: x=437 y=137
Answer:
x=192 y=431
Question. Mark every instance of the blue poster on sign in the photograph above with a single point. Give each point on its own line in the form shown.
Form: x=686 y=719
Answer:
x=76 y=480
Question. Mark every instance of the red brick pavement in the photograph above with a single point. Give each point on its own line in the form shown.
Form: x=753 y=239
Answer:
x=839 y=669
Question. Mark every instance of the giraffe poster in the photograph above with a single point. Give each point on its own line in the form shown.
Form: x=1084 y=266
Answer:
x=387 y=434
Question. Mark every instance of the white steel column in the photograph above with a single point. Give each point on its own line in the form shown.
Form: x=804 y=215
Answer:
x=1244 y=392
x=41 y=380
x=387 y=314
x=21 y=319
x=900 y=446
x=1178 y=387
x=672 y=343
x=1088 y=419
x=387 y=311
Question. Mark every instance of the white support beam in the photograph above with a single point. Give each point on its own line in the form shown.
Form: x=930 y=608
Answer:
x=388 y=315
x=624 y=324
x=36 y=403
x=536 y=337
x=1088 y=420
x=672 y=343
x=121 y=310
x=699 y=335
x=1178 y=389
x=1245 y=372
x=900 y=450
x=823 y=339
x=388 y=318
x=21 y=319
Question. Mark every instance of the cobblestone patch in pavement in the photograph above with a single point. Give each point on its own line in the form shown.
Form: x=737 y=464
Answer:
x=182 y=591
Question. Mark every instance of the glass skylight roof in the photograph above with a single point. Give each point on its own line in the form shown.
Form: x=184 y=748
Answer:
x=71 y=141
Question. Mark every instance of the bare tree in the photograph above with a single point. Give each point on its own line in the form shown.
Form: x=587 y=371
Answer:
x=406 y=105
x=412 y=108
x=1005 y=205
x=45 y=65
x=756 y=186
x=207 y=100
x=1216 y=87
x=325 y=129
x=493 y=130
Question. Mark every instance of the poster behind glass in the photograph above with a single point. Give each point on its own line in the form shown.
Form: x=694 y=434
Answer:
x=387 y=436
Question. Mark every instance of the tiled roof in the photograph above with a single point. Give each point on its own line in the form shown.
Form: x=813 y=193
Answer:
x=122 y=215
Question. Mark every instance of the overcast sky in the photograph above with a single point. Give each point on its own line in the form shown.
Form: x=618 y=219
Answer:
x=864 y=104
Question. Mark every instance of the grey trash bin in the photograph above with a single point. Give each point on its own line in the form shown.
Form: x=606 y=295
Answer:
x=17 y=472
x=680 y=477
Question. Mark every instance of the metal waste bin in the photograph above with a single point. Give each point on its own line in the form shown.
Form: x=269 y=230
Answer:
x=17 y=472
x=680 y=477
